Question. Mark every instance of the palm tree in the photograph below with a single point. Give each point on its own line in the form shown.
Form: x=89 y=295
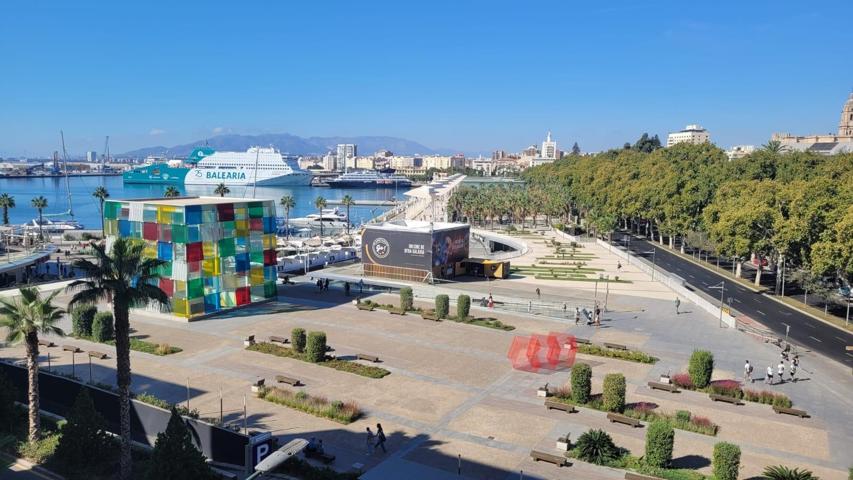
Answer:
x=320 y=204
x=127 y=279
x=6 y=202
x=25 y=318
x=171 y=192
x=774 y=146
x=101 y=194
x=40 y=203
x=347 y=201
x=222 y=190
x=287 y=202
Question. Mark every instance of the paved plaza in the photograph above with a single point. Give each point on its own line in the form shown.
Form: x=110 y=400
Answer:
x=454 y=403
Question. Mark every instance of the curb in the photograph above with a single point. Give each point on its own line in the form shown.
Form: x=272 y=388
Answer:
x=38 y=469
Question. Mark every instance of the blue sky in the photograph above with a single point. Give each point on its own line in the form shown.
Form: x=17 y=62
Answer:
x=466 y=75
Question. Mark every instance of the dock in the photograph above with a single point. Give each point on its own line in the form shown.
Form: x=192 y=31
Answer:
x=365 y=203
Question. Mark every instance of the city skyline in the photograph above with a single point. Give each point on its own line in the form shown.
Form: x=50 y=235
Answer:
x=470 y=78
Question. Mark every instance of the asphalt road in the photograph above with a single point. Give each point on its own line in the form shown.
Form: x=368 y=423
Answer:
x=805 y=330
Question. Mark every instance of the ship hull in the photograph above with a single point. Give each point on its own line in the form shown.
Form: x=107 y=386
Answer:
x=162 y=174
x=158 y=173
x=365 y=184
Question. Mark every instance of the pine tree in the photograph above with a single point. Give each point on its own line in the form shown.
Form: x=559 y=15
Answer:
x=174 y=456
x=576 y=150
x=84 y=440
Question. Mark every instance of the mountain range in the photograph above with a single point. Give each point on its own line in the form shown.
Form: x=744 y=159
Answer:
x=293 y=144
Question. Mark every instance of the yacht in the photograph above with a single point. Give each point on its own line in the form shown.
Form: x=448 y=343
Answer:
x=370 y=179
x=52 y=226
x=329 y=217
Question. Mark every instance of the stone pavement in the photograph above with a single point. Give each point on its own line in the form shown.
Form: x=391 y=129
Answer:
x=453 y=395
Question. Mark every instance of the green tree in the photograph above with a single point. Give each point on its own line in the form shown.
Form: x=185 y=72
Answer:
x=171 y=192
x=82 y=317
x=102 y=327
x=315 y=347
x=288 y=203
x=701 y=368
x=347 y=202
x=174 y=456
x=463 y=307
x=297 y=339
x=774 y=146
x=660 y=439
x=40 y=203
x=442 y=306
x=25 y=317
x=581 y=382
x=6 y=202
x=84 y=440
x=596 y=446
x=222 y=190
x=726 y=461
x=576 y=150
x=406 y=299
x=613 y=398
x=101 y=194
x=320 y=204
x=127 y=279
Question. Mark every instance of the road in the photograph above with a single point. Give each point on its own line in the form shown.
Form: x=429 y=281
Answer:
x=805 y=330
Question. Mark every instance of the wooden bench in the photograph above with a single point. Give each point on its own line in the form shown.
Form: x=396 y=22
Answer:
x=547 y=457
x=369 y=358
x=277 y=339
x=288 y=380
x=664 y=386
x=362 y=306
x=723 y=398
x=46 y=343
x=552 y=405
x=615 y=346
x=71 y=348
x=323 y=457
x=619 y=418
x=791 y=411
x=637 y=476
x=429 y=316
x=98 y=355
x=395 y=311
x=584 y=341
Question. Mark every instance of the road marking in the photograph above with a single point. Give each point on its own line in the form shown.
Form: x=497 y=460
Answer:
x=841 y=339
x=810 y=325
x=738 y=300
x=815 y=339
x=691 y=275
x=759 y=311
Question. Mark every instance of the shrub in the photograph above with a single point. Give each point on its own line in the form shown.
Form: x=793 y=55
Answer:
x=701 y=367
x=442 y=306
x=83 y=434
x=102 y=327
x=596 y=446
x=630 y=355
x=297 y=339
x=614 y=392
x=660 y=438
x=768 y=398
x=781 y=400
x=343 y=412
x=683 y=415
x=726 y=461
x=350 y=367
x=781 y=472
x=406 y=299
x=729 y=388
x=174 y=452
x=463 y=306
x=581 y=382
x=40 y=450
x=315 y=349
x=682 y=380
x=82 y=317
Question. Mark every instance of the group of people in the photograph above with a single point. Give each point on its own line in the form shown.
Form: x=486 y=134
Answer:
x=778 y=375
x=375 y=441
x=595 y=319
x=322 y=284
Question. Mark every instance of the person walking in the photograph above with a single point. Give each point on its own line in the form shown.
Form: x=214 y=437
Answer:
x=597 y=316
x=370 y=441
x=677 y=304
x=747 y=372
x=564 y=309
x=529 y=306
x=538 y=294
x=793 y=372
x=361 y=286
x=769 y=378
x=618 y=266
x=380 y=438
x=780 y=369
x=346 y=288
x=577 y=315
x=491 y=302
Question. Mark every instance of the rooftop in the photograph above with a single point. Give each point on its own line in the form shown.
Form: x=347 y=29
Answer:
x=185 y=201
x=416 y=226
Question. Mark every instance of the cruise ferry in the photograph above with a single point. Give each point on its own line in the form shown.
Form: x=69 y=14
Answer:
x=369 y=179
x=205 y=166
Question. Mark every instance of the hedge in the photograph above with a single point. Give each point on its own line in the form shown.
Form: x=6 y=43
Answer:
x=613 y=399
x=315 y=349
x=406 y=299
x=82 y=317
x=726 y=461
x=442 y=306
x=102 y=327
x=297 y=339
x=463 y=306
x=701 y=367
x=581 y=382
x=660 y=438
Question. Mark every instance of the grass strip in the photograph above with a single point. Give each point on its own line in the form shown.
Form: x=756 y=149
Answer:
x=319 y=406
x=368 y=371
x=629 y=355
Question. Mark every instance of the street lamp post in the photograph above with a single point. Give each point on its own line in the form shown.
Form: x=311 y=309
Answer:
x=607 y=293
x=276 y=458
x=654 y=253
x=722 y=288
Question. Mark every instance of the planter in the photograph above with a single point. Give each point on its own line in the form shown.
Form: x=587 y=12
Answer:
x=542 y=392
x=564 y=444
x=665 y=379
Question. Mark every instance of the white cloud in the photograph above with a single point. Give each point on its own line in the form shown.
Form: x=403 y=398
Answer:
x=218 y=130
x=156 y=131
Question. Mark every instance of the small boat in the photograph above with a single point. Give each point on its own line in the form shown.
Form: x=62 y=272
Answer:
x=53 y=226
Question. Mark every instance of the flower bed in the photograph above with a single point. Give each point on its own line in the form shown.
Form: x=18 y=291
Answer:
x=630 y=355
x=136 y=344
x=342 y=412
x=487 y=322
x=733 y=388
x=682 y=420
x=341 y=365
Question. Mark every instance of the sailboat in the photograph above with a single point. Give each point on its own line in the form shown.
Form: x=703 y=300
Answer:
x=46 y=223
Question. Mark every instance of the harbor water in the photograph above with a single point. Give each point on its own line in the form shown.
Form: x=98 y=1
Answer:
x=85 y=206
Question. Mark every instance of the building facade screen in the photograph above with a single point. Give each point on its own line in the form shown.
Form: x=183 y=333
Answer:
x=435 y=252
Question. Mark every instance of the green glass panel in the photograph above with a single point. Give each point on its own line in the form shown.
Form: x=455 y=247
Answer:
x=195 y=288
x=226 y=247
x=179 y=233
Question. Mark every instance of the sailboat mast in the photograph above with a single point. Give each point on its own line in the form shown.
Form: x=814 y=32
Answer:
x=255 y=183
x=65 y=165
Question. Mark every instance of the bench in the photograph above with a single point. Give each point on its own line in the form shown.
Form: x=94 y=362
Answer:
x=429 y=316
x=362 y=306
x=637 y=476
x=550 y=458
x=664 y=386
x=369 y=358
x=288 y=380
x=71 y=348
x=791 y=411
x=584 y=341
x=395 y=311
x=322 y=457
x=277 y=339
x=98 y=355
x=619 y=418
x=723 y=398
x=552 y=405
x=46 y=343
x=615 y=346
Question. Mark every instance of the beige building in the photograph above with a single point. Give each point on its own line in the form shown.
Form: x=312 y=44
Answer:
x=827 y=144
x=740 y=151
x=694 y=134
